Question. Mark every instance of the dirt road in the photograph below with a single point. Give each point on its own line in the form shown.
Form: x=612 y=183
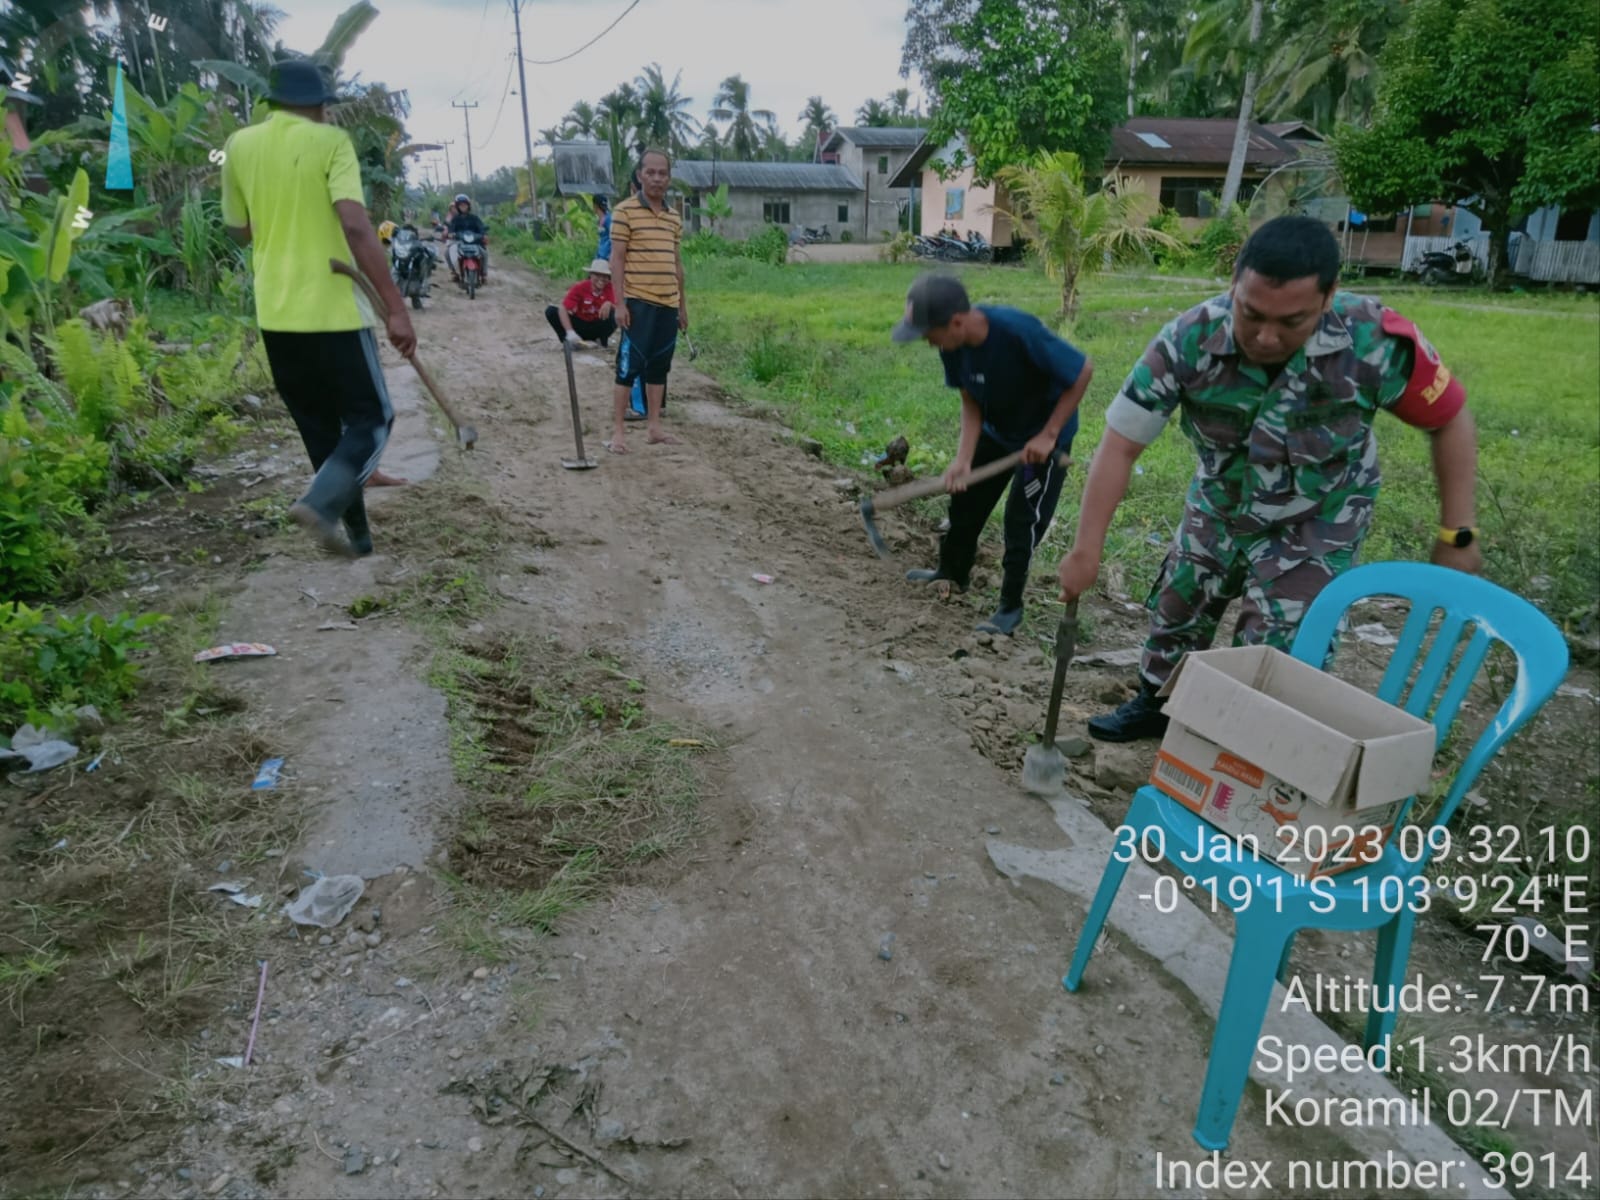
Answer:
x=740 y=1024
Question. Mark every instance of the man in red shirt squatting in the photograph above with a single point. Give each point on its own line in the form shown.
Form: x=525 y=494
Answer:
x=589 y=311
x=1278 y=384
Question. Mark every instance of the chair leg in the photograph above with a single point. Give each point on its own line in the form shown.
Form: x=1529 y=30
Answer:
x=1257 y=949
x=1095 y=921
x=1388 y=973
x=1283 y=963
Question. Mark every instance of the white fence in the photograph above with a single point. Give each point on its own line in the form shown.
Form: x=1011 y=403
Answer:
x=1558 y=262
x=1548 y=262
x=1416 y=247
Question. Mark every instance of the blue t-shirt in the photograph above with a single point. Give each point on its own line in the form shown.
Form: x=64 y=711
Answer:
x=604 y=249
x=1016 y=376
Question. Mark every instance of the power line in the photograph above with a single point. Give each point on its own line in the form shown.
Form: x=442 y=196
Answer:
x=550 y=62
x=505 y=94
x=477 y=40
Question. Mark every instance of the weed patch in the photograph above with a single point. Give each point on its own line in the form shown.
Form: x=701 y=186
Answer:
x=579 y=786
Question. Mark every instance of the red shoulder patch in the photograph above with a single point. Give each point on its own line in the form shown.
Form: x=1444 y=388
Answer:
x=1432 y=396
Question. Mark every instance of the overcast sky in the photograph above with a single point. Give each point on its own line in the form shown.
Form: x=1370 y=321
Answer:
x=462 y=50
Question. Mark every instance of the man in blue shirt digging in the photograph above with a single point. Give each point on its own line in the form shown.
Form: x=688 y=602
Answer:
x=1020 y=387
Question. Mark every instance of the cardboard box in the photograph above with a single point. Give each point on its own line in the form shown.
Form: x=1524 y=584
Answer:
x=1268 y=748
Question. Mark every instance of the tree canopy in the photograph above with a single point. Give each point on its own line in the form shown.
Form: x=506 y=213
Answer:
x=1486 y=104
x=1014 y=77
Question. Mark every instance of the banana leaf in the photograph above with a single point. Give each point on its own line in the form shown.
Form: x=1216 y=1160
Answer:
x=235 y=73
x=65 y=230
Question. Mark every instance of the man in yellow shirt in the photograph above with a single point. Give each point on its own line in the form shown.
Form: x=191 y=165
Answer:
x=647 y=275
x=291 y=188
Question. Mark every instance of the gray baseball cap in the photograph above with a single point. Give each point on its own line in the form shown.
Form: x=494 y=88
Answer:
x=930 y=303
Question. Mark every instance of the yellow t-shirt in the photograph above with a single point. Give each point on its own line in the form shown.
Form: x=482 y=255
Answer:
x=652 y=240
x=282 y=178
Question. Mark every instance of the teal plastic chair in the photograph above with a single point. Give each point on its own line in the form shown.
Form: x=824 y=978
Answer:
x=1264 y=932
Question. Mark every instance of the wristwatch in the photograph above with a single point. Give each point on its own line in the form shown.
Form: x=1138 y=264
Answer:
x=1460 y=538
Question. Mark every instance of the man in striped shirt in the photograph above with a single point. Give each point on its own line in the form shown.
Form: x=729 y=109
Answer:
x=647 y=274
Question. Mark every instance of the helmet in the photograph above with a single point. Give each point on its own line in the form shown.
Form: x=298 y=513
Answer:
x=463 y=198
x=385 y=232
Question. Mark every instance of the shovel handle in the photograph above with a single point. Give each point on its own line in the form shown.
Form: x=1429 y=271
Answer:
x=933 y=484
x=1066 y=644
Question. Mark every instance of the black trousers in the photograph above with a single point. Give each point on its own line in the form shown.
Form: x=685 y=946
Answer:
x=646 y=351
x=589 y=331
x=333 y=387
x=1029 y=510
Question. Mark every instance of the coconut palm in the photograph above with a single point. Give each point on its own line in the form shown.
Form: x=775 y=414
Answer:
x=664 y=118
x=874 y=114
x=816 y=118
x=743 y=136
x=1324 y=70
x=618 y=115
x=900 y=104
x=1077 y=233
x=582 y=121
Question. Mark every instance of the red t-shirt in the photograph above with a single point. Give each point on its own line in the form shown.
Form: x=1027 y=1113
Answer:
x=584 y=302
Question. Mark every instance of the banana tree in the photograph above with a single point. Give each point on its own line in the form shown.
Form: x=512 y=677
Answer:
x=31 y=267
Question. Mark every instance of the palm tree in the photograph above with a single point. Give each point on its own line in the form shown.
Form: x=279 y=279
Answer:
x=664 y=119
x=1247 y=103
x=551 y=135
x=582 y=122
x=900 y=104
x=1325 y=70
x=1077 y=233
x=816 y=118
x=743 y=136
x=874 y=114
x=618 y=116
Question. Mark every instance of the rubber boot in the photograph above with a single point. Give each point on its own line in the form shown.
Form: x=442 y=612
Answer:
x=1008 y=617
x=1133 y=721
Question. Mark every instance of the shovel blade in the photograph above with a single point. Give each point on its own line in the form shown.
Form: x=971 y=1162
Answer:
x=1044 y=771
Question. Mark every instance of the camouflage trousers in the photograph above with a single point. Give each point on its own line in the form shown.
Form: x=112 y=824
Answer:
x=1209 y=566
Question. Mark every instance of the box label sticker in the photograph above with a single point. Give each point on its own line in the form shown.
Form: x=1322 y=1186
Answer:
x=1181 y=781
x=1245 y=772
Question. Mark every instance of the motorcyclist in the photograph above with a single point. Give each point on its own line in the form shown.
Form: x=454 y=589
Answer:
x=464 y=220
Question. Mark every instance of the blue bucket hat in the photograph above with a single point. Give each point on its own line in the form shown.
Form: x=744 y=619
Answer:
x=299 y=83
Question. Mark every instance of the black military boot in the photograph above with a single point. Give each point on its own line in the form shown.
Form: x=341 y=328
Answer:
x=1139 y=718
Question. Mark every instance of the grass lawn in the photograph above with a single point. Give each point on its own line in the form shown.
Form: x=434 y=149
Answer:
x=811 y=343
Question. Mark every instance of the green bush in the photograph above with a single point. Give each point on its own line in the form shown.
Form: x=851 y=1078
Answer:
x=770 y=356
x=1220 y=241
x=770 y=245
x=47 y=470
x=846 y=236
x=898 y=246
x=1168 y=222
x=699 y=247
x=49 y=664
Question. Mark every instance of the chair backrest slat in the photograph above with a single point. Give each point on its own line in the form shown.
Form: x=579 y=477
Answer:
x=1393 y=687
x=1461 y=681
x=1435 y=665
x=1496 y=615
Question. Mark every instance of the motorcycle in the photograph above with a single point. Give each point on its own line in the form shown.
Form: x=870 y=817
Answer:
x=469 y=260
x=411 y=263
x=1455 y=265
x=817 y=235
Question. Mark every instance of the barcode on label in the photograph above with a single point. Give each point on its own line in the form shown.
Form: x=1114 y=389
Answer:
x=1181 y=781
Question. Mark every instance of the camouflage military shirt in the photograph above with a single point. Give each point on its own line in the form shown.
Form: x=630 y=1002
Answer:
x=1292 y=453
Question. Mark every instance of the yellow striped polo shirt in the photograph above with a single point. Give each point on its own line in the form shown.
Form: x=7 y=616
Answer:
x=651 y=239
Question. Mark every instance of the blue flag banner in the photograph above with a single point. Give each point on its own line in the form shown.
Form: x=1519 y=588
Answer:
x=119 y=163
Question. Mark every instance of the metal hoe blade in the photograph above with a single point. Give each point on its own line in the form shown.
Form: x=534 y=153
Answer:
x=879 y=546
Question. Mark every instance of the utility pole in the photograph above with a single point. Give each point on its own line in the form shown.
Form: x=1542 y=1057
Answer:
x=466 y=113
x=448 y=169
x=527 y=132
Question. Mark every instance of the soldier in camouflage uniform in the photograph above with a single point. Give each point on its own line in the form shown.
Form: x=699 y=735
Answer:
x=1276 y=384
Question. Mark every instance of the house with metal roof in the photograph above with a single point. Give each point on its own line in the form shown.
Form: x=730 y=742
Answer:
x=875 y=155
x=792 y=195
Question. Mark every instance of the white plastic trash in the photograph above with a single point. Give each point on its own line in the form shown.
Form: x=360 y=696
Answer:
x=327 y=901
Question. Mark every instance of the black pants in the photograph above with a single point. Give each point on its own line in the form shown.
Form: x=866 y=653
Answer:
x=647 y=349
x=333 y=387
x=1029 y=510
x=589 y=331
